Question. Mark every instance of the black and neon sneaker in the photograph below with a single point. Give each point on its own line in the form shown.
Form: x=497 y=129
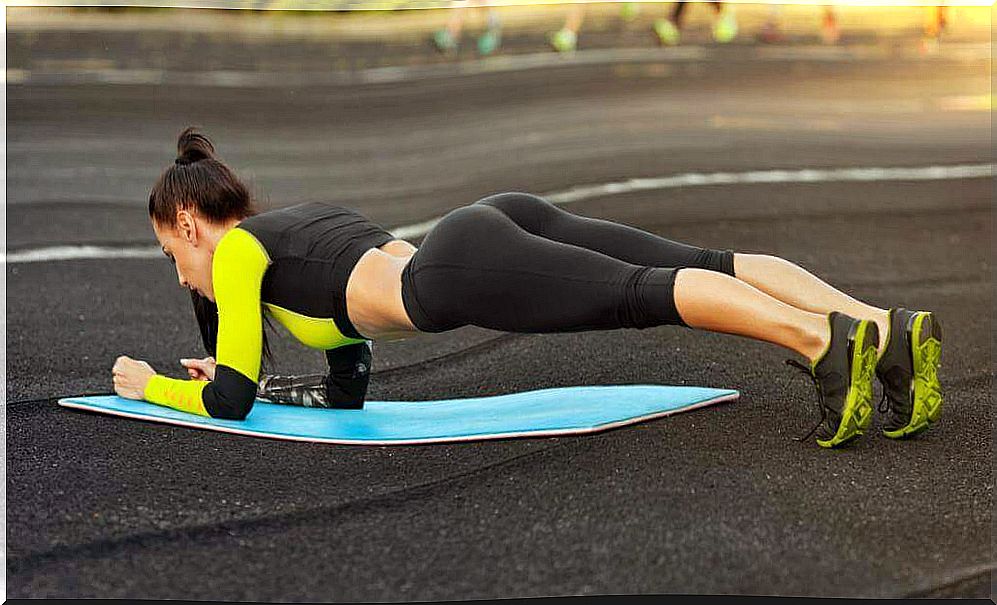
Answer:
x=908 y=371
x=843 y=375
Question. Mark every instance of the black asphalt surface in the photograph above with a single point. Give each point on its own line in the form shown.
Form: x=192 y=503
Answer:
x=717 y=501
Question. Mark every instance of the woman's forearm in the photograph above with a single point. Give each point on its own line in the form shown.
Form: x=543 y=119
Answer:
x=183 y=395
x=229 y=396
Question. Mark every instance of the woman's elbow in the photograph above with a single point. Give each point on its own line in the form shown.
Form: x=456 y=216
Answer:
x=230 y=398
x=231 y=411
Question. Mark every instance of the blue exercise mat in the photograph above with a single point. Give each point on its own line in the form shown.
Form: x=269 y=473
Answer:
x=542 y=413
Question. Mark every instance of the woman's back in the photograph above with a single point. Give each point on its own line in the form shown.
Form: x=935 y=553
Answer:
x=312 y=248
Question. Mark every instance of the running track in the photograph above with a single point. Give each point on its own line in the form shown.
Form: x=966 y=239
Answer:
x=716 y=501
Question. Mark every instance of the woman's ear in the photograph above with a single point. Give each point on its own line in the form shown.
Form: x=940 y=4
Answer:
x=187 y=226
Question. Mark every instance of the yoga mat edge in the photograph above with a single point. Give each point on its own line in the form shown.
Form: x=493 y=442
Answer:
x=232 y=427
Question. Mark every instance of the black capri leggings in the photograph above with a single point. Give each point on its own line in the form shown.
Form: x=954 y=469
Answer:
x=517 y=263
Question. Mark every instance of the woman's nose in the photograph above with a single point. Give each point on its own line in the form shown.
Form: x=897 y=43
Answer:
x=181 y=279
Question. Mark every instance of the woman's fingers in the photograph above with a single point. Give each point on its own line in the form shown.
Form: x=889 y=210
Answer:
x=194 y=369
x=199 y=369
x=199 y=364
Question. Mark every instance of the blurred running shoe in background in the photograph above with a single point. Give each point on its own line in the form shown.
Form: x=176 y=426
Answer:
x=563 y=40
x=629 y=11
x=667 y=33
x=489 y=41
x=725 y=27
x=444 y=41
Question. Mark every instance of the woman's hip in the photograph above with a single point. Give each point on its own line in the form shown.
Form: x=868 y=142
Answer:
x=478 y=267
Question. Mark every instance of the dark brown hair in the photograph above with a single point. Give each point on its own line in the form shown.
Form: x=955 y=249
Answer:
x=199 y=182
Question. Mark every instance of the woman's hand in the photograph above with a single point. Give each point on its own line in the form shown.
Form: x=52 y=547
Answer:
x=131 y=376
x=200 y=369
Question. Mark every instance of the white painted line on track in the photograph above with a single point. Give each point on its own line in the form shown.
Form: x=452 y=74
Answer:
x=924 y=173
x=54 y=253
x=371 y=75
x=488 y=65
x=834 y=175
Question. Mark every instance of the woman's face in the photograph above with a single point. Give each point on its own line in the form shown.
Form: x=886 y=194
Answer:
x=186 y=245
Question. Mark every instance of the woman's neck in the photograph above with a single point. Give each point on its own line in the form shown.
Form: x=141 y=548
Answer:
x=214 y=232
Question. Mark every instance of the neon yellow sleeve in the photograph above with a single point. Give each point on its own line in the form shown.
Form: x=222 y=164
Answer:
x=237 y=276
x=183 y=395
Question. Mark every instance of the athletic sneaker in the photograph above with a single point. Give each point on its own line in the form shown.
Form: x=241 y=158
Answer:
x=563 y=40
x=489 y=41
x=843 y=376
x=908 y=371
x=444 y=41
x=667 y=33
x=725 y=27
x=629 y=10
x=307 y=390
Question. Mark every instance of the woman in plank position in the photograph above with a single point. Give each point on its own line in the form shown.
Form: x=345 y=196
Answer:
x=511 y=262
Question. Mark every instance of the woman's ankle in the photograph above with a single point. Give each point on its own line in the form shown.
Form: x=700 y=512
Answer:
x=813 y=337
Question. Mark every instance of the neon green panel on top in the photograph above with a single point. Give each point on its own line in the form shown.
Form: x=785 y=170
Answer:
x=316 y=332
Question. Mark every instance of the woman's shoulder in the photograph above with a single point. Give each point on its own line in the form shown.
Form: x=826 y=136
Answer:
x=240 y=246
x=238 y=266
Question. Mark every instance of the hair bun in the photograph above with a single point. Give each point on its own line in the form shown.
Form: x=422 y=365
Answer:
x=193 y=146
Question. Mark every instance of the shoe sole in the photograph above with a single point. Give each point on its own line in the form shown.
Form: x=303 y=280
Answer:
x=926 y=351
x=857 y=413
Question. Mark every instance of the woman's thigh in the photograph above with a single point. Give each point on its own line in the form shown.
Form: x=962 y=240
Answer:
x=627 y=243
x=478 y=267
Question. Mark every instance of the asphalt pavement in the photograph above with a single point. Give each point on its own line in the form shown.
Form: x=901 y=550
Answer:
x=716 y=501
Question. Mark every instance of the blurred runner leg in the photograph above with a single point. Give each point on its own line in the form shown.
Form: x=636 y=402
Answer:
x=829 y=31
x=669 y=30
x=566 y=39
x=446 y=39
x=771 y=32
x=491 y=38
x=724 y=24
x=934 y=23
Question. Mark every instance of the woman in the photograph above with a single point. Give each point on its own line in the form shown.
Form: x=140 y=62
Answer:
x=510 y=262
